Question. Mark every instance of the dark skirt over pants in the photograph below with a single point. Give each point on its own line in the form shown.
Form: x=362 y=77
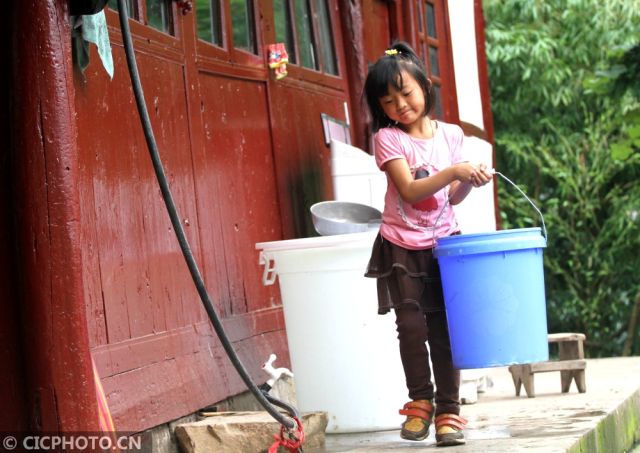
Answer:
x=409 y=282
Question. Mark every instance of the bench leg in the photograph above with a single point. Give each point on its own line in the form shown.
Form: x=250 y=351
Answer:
x=527 y=381
x=571 y=350
x=516 y=375
x=522 y=375
x=567 y=376
x=580 y=381
x=565 y=380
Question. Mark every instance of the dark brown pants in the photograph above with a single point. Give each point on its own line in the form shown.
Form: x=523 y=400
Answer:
x=415 y=329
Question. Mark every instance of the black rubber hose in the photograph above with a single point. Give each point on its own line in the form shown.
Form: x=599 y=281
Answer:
x=286 y=406
x=177 y=225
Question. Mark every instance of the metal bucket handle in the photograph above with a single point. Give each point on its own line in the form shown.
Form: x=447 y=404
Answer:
x=544 y=228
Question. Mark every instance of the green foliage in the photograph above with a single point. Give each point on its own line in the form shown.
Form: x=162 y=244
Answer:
x=629 y=140
x=620 y=79
x=559 y=113
x=621 y=73
x=541 y=50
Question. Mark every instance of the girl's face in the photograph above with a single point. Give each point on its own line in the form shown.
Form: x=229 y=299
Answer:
x=406 y=106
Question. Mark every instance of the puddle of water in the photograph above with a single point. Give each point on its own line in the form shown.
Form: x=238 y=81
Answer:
x=589 y=414
x=488 y=432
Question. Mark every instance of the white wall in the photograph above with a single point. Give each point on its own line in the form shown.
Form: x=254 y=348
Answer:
x=465 y=61
x=476 y=212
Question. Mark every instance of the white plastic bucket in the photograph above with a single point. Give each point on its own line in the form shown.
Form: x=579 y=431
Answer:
x=344 y=355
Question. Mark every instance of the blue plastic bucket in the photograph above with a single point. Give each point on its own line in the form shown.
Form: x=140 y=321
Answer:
x=494 y=295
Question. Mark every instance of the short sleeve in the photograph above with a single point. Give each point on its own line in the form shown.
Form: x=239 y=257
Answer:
x=387 y=146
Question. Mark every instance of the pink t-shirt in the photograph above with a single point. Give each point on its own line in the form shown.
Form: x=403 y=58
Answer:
x=412 y=225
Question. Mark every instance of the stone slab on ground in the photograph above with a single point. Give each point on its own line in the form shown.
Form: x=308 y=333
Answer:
x=239 y=432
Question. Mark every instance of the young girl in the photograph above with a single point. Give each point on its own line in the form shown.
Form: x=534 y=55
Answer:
x=425 y=175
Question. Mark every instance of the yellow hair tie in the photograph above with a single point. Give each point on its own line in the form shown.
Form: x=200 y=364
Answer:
x=391 y=52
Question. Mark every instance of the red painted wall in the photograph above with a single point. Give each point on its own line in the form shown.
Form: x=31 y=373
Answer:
x=59 y=383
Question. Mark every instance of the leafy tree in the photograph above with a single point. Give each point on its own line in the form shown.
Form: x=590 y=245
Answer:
x=554 y=133
x=621 y=80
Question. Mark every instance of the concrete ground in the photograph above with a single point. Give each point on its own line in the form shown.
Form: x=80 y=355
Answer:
x=605 y=419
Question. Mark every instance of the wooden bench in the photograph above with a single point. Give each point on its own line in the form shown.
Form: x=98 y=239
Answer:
x=571 y=365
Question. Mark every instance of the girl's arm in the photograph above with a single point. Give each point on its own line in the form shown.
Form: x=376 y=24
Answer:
x=459 y=190
x=412 y=190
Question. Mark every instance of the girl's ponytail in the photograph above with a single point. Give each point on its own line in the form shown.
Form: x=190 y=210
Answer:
x=405 y=52
x=386 y=71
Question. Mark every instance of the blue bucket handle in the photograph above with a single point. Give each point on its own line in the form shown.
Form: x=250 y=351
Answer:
x=544 y=228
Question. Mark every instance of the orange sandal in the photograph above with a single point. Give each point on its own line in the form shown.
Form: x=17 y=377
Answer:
x=419 y=415
x=449 y=430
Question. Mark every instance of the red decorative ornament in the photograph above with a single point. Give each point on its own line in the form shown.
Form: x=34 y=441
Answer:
x=186 y=6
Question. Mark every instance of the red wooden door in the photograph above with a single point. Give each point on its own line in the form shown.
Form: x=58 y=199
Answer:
x=151 y=339
x=245 y=157
x=377 y=32
x=424 y=24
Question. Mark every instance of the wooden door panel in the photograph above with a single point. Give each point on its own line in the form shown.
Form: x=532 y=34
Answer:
x=303 y=159
x=235 y=117
x=143 y=284
x=216 y=125
x=375 y=30
x=152 y=341
x=179 y=373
